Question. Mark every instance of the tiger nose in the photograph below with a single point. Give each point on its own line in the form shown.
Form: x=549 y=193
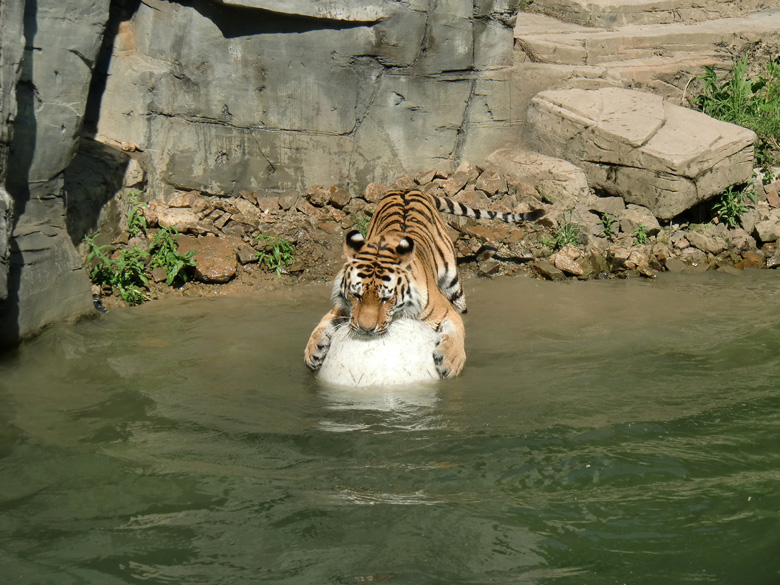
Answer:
x=366 y=330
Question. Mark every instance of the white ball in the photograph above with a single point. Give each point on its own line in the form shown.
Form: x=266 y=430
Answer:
x=403 y=355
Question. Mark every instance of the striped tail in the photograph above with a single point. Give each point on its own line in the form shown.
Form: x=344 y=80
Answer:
x=454 y=208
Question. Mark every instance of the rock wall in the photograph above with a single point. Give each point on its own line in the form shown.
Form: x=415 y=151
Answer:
x=281 y=95
x=46 y=281
x=11 y=24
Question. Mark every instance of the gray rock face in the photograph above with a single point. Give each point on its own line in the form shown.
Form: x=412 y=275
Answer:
x=46 y=280
x=220 y=98
x=11 y=46
x=640 y=147
x=665 y=57
x=6 y=222
x=621 y=12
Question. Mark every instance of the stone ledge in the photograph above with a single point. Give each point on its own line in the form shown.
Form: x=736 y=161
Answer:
x=640 y=147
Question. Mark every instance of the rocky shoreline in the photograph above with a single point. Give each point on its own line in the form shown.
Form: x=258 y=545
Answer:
x=581 y=236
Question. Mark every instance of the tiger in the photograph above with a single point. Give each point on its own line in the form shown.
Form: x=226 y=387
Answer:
x=405 y=266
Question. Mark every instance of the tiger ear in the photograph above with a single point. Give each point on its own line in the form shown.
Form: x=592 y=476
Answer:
x=405 y=250
x=353 y=243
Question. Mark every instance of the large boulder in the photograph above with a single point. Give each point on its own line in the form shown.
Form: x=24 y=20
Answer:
x=641 y=147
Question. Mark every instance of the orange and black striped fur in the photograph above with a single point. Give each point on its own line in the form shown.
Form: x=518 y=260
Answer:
x=404 y=267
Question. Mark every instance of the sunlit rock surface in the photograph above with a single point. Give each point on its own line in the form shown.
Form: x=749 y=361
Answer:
x=403 y=356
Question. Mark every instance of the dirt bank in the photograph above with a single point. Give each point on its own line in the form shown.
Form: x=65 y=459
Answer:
x=265 y=242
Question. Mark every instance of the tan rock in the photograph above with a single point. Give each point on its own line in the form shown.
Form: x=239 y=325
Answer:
x=455 y=183
x=181 y=219
x=636 y=145
x=340 y=198
x=374 y=192
x=215 y=257
x=184 y=199
x=491 y=182
x=556 y=180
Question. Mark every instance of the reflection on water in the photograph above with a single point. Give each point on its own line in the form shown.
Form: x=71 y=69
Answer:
x=602 y=432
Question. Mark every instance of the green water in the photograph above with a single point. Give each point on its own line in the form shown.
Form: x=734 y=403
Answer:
x=602 y=432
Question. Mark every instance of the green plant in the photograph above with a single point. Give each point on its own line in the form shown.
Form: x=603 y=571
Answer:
x=567 y=232
x=165 y=254
x=640 y=235
x=731 y=205
x=126 y=272
x=609 y=227
x=754 y=104
x=136 y=220
x=275 y=253
x=362 y=222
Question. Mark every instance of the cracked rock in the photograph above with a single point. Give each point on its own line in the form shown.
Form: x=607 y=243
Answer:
x=637 y=146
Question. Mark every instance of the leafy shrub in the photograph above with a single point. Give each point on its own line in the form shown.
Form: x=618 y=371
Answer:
x=165 y=254
x=731 y=205
x=126 y=273
x=608 y=227
x=567 y=232
x=275 y=253
x=136 y=220
x=640 y=235
x=754 y=104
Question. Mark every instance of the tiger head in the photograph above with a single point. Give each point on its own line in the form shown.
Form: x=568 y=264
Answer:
x=375 y=286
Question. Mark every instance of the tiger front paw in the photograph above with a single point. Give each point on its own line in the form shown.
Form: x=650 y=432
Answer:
x=449 y=357
x=316 y=351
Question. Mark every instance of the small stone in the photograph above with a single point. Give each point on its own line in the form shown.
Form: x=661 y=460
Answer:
x=307 y=208
x=404 y=183
x=268 y=203
x=455 y=183
x=491 y=183
x=184 y=199
x=434 y=188
x=751 y=259
x=288 y=199
x=220 y=222
x=706 y=243
x=181 y=219
x=134 y=174
x=634 y=216
x=566 y=260
x=547 y=270
x=618 y=256
x=772 y=194
x=489 y=267
x=469 y=170
x=674 y=265
x=159 y=274
x=330 y=227
x=318 y=196
x=245 y=208
x=250 y=196
x=471 y=197
x=768 y=230
x=493 y=235
x=340 y=198
x=425 y=177
x=374 y=192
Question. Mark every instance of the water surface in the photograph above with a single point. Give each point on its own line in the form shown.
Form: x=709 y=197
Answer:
x=602 y=432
